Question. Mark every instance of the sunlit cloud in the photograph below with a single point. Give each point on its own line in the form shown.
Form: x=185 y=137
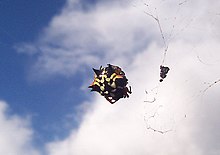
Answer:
x=128 y=34
x=15 y=133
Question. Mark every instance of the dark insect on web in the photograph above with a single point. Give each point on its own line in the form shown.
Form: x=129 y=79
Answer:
x=163 y=72
x=111 y=83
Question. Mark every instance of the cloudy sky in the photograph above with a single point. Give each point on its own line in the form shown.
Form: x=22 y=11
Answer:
x=48 y=50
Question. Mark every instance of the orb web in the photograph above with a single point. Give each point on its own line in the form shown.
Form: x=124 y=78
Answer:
x=176 y=25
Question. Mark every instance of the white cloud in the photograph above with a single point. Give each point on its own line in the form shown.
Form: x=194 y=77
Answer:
x=15 y=134
x=76 y=39
x=125 y=35
x=121 y=129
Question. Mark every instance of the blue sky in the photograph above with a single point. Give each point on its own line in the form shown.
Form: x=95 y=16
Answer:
x=47 y=101
x=49 y=47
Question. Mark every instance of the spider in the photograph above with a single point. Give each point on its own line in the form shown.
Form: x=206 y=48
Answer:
x=111 y=83
x=116 y=94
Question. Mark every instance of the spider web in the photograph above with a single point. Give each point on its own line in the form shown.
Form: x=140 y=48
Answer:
x=159 y=116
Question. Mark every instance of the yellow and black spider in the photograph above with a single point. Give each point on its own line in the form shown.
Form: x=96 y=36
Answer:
x=111 y=83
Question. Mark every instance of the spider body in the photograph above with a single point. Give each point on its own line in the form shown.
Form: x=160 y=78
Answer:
x=111 y=83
